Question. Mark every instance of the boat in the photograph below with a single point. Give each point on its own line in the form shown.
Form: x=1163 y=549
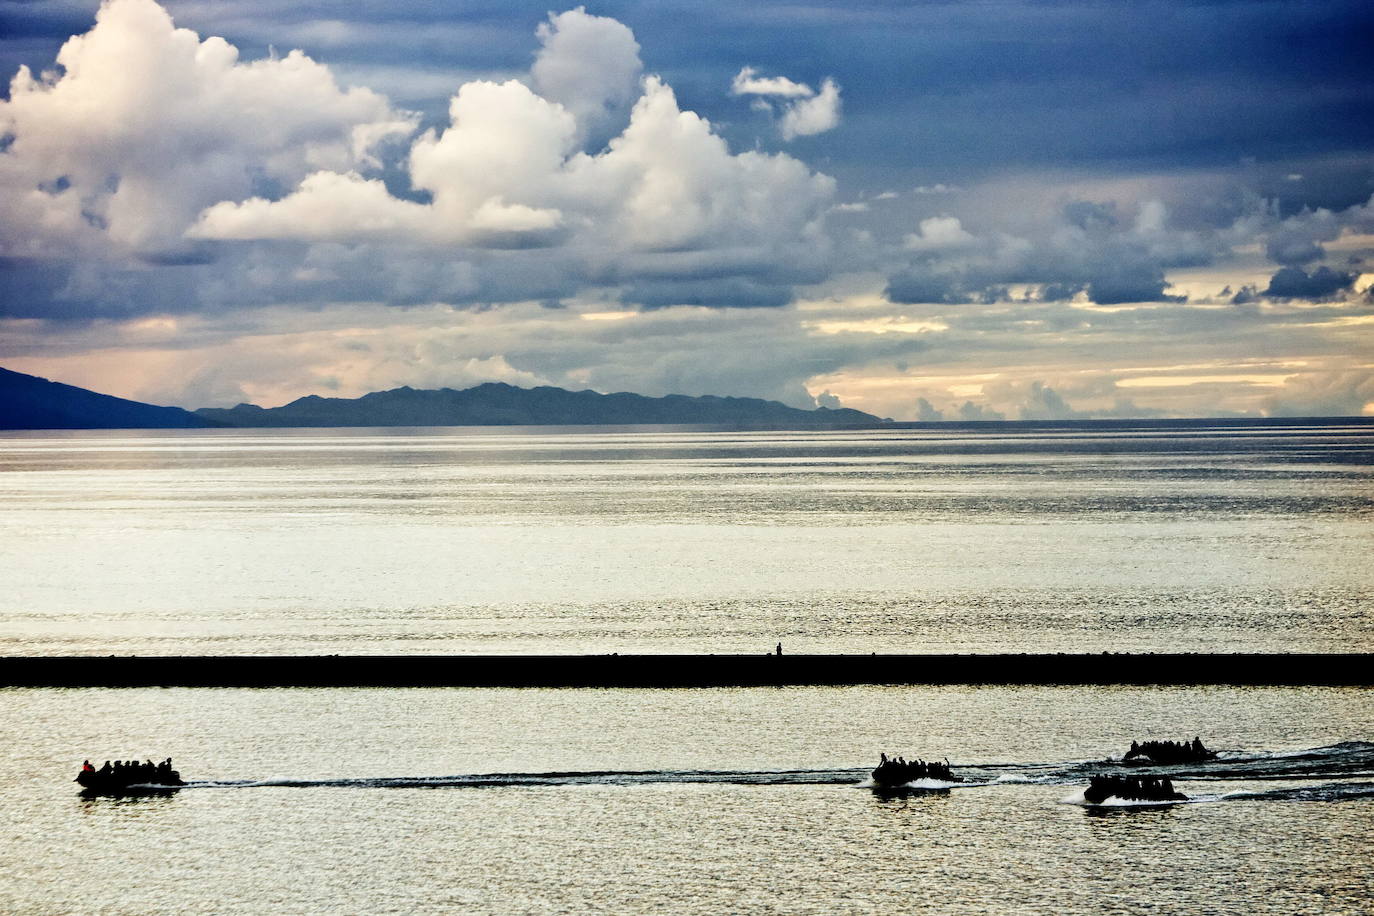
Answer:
x=127 y=777
x=1132 y=789
x=896 y=772
x=1168 y=753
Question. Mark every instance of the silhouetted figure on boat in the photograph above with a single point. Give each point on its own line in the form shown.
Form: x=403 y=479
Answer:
x=1131 y=788
x=893 y=772
x=1169 y=752
x=123 y=776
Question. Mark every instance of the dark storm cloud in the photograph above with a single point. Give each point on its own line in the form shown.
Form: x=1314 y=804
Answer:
x=1090 y=247
x=1097 y=149
x=968 y=87
x=936 y=86
x=733 y=292
x=1296 y=283
x=1298 y=239
x=920 y=286
x=1128 y=283
x=1090 y=216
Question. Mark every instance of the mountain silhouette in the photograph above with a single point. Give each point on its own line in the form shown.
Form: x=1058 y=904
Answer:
x=30 y=402
x=499 y=404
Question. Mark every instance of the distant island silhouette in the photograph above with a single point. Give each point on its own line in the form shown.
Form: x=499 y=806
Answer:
x=499 y=404
x=30 y=402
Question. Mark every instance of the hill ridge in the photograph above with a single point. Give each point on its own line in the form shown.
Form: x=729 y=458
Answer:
x=502 y=404
x=32 y=402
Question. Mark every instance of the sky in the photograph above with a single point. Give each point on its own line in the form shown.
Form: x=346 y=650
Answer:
x=930 y=210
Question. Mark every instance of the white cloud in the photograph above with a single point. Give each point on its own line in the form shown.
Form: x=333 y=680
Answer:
x=156 y=144
x=1341 y=393
x=146 y=124
x=940 y=233
x=670 y=182
x=814 y=115
x=748 y=82
x=665 y=198
x=805 y=113
x=590 y=65
x=328 y=206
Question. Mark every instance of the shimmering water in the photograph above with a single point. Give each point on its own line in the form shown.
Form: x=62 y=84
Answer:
x=473 y=540
x=684 y=801
x=694 y=801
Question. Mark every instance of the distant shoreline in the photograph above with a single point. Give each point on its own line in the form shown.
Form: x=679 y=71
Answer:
x=678 y=671
x=1177 y=424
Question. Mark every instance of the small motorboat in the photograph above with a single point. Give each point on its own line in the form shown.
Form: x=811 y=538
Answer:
x=1168 y=753
x=128 y=777
x=1145 y=789
x=896 y=772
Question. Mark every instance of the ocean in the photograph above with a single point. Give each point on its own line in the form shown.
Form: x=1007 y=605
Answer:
x=578 y=541
x=1182 y=538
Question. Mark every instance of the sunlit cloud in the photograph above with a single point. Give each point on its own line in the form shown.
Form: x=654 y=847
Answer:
x=191 y=216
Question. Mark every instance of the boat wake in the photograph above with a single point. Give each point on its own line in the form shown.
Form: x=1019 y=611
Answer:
x=1334 y=791
x=1345 y=761
x=1324 y=792
x=580 y=778
x=919 y=785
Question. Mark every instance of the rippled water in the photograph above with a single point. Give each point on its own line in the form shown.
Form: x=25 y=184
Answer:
x=683 y=801
x=473 y=540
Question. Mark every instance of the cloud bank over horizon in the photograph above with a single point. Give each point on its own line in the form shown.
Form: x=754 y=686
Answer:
x=187 y=221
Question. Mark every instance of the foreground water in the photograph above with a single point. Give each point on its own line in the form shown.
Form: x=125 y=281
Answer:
x=693 y=801
x=684 y=801
x=550 y=541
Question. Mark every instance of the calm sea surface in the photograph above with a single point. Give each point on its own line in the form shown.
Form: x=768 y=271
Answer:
x=546 y=541
x=681 y=801
x=684 y=801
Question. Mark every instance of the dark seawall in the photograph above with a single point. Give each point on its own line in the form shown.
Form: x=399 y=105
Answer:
x=1351 y=670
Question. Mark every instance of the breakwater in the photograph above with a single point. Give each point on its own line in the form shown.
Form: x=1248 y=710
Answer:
x=1354 y=670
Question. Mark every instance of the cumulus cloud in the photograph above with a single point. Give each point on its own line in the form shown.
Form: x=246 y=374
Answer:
x=940 y=233
x=1034 y=399
x=590 y=65
x=748 y=82
x=665 y=200
x=805 y=111
x=1325 y=394
x=504 y=140
x=156 y=172
x=1296 y=283
x=927 y=412
x=1088 y=248
x=1298 y=239
x=1041 y=402
x=812 y=116
x=146 y=124
x=828 y=400
x=154 y=144
x=971 y=412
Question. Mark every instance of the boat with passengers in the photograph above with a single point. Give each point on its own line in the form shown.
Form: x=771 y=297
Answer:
x=127 y=777
x=1137 y=789
x=898 y=772
x=1168 y=753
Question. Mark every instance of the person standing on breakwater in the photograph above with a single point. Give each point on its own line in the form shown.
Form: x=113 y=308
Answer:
x=779 y=651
